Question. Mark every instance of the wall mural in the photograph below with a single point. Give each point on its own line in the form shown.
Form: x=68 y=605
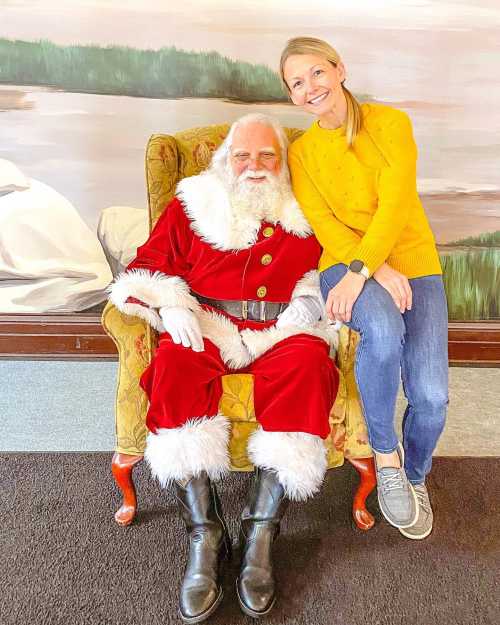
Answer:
x=83 y=84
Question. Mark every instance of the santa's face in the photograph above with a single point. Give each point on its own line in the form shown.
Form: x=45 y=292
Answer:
x=255 y=154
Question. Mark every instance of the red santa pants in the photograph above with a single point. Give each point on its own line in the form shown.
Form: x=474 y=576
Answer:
x=295 y=385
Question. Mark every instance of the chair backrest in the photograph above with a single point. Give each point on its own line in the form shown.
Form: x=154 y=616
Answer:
x=170 y=158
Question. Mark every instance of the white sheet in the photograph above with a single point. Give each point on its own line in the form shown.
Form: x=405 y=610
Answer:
x=50 y=260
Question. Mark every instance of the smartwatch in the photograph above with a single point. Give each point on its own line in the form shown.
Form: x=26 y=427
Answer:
x=357 y=266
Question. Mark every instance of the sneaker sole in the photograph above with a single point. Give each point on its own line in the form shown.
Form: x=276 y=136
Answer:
x=415 y=536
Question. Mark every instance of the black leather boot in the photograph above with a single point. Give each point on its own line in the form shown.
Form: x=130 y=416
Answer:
x=260 y=525
x=209 y=545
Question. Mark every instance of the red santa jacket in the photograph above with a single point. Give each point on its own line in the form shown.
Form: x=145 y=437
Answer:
x=202 y=244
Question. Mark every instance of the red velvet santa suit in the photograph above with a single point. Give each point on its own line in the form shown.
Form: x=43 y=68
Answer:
x=202 y=245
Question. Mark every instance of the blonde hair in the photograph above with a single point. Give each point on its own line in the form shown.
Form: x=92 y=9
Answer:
x=318 y=47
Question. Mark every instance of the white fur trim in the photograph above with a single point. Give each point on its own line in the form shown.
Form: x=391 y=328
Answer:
x=331 y=331
x=199 y=445
x=293 y=219
x=239 y=349
x=150 y=315
x=219 y=224
x=299 y=460
x=224 y=333
x=207 y=205
x=258 y=342
x=155 y=289
x=308 y=285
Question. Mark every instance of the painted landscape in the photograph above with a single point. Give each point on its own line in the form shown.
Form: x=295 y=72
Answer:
x=77 y=108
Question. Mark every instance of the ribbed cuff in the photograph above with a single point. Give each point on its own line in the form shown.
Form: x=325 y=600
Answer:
x=420 y=261
x=417 y=263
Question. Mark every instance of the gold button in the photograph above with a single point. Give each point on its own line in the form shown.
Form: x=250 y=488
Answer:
x=261 y=291
x=268 y=232
x=266 y=259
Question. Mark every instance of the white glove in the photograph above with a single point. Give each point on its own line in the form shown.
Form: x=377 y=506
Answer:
x=182 y=325
x=335 y=325
x=302 y=311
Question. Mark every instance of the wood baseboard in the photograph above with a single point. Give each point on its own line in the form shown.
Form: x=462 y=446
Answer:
x=81 y=337
x=474 y=344
x=55 y=337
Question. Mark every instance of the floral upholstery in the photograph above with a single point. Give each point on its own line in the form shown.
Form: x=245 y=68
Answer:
x=168 y=160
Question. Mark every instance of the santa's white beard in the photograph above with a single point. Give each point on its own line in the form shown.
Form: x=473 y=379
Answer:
x=262 y=199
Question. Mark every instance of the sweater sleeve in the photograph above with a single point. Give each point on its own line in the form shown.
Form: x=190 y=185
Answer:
x=335 y=237
x=396 y=190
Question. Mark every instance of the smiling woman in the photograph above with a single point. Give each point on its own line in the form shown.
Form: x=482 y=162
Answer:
x=354 y=175
x=318 y=87
x=315 y=81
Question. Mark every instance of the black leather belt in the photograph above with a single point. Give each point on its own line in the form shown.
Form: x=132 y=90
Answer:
x=255 y=310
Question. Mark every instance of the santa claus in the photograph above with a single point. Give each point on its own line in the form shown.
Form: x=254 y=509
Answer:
x=228 y=277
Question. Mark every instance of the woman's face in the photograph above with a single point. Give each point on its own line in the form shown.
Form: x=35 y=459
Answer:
x=315 y=84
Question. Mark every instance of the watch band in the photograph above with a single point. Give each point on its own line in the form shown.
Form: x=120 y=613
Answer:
x=357 y=266
x=365 y=272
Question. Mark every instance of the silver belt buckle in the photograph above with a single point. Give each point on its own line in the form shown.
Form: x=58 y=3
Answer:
x=244 y=309
x=262 y=315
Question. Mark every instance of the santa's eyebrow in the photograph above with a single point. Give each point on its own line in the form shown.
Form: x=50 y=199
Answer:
x=243 y=151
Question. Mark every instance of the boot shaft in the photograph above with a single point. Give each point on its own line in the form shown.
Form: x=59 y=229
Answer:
x=266 y=501
x=199 y=504
x=260 y=522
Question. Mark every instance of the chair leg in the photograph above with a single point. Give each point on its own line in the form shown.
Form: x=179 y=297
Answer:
x=122 y=466
x=366 y=470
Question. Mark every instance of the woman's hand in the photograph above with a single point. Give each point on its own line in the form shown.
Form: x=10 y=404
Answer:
x=343 y=295
x=396 y=284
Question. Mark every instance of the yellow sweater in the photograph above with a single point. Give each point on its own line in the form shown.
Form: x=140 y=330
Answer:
x=362 y=202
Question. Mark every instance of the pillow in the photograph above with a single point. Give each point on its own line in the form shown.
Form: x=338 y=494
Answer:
x=11 y=177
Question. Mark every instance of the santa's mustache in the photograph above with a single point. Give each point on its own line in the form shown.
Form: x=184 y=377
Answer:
x=255 y=174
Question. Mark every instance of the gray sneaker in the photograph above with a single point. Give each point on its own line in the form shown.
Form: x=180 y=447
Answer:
x=396 y=497
x=423 y=525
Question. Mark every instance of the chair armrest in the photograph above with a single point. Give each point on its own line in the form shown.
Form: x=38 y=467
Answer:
x=134 y=340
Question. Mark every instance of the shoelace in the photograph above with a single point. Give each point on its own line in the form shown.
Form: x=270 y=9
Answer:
x=423 y=500
x=393 y=482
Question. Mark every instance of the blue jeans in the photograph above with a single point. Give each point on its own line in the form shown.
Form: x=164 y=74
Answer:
x=413 y=345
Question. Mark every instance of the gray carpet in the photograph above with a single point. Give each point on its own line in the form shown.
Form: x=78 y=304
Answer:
x=64 y=561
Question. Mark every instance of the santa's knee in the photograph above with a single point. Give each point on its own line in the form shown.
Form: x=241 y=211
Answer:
x=184 y=363
x=168 y=369
x=167 y=350
x=312 y=366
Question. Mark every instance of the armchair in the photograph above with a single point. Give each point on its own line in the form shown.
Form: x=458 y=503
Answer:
x=168 y=160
